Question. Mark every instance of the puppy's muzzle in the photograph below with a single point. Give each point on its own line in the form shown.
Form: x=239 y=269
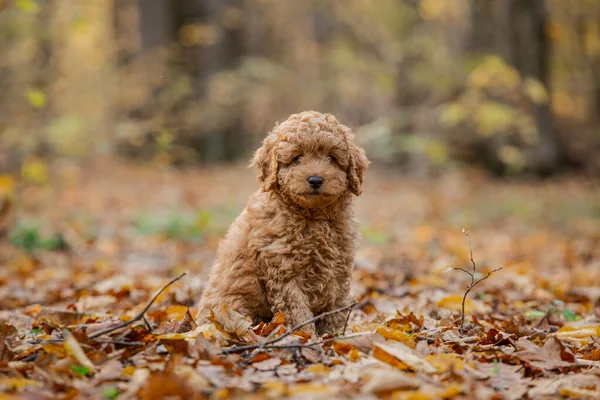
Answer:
x=315 y=182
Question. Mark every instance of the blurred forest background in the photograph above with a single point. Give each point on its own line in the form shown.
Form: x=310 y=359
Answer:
x=511 y=85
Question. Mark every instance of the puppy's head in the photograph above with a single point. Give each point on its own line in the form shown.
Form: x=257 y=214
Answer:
x=311 y=159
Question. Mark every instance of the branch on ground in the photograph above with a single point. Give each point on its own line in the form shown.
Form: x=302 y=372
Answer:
x=140 y=316
x=270 y=342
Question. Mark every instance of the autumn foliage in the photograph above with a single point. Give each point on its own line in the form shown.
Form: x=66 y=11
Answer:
x=74 y=324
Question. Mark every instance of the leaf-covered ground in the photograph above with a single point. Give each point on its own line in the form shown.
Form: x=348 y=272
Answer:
x=85 y=252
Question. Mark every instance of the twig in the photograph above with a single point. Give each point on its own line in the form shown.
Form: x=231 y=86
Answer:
x=347 y=319
x=147 y=324
x=324 y=341
x=138 y=316
x=120 y=342
x=268 y=343
x=473 y=281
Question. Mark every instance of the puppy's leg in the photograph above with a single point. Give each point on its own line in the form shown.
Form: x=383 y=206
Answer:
x=334 y=323
x=287 y=297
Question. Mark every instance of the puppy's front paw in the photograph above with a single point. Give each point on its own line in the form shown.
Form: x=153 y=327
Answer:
x=332 y=324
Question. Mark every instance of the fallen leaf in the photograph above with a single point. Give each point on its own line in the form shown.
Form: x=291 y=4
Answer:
x=445 y=361
x=230 y=322
x=584 y=332
x=385 y=380
x=73 y=349
x=267 y=365
x=404 y=354
x=187 y=324
x=398 y=336
x=454 y=302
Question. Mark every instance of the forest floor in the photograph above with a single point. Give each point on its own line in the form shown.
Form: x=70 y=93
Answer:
x=86 y=251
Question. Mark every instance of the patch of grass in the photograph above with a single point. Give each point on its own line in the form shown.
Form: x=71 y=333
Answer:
x=175 y=225
x=28 y=236
x=374 y=236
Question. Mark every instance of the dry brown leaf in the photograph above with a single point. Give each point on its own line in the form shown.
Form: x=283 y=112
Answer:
x=230 y=322
x=267 y=365
x=385 y=380
x=187 y=324
x=7 y=334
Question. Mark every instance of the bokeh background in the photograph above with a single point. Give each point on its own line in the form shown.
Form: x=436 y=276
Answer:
x=512 y=86
x=126 y=128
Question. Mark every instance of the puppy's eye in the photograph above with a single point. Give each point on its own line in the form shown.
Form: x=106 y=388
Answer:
x=332 y=159
x=297 y=158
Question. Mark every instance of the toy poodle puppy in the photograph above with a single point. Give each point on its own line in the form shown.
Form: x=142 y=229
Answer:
x=292 y=248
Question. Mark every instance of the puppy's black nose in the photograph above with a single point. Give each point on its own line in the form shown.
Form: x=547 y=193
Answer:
x=315 y=181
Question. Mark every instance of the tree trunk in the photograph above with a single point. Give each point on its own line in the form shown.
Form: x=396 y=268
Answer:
x=206 y=59
x=519 y=36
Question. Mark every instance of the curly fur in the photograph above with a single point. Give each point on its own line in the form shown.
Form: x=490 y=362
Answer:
x=292 y=248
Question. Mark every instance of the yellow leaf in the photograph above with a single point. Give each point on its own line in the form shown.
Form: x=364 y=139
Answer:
x=36 y=98
x=7 y=185
x=176 y=311
x=454 y=302
x=317 y=369
x=451 y=392
x=398 y=336
x=34 y=171
x=404 y=354
x=381 y=355
x=453 y=114
x=305 y=388
x=583 y=332
x=73 y=349
x=444 y=362
x=492 y=117
x=222 y=393
x=275 y=389
x=29 y=6
x=7 y=384
x=574 y=393
x=494 y=73
x=535 y=90
x=128 y=371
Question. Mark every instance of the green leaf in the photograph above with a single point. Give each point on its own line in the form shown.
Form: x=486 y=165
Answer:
x=80 y=370
x=569 y=315
x=496 y=369
x=110 y=392
x=533 y=314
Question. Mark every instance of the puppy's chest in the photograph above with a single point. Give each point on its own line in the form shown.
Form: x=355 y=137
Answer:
x=318 y=242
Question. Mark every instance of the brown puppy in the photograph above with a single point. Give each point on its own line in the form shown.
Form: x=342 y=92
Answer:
x=292 y=248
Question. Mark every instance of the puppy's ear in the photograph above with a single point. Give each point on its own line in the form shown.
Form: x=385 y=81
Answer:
x=265 y=160
x=357 y=166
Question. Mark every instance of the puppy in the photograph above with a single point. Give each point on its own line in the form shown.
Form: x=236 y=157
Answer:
x=292 y=248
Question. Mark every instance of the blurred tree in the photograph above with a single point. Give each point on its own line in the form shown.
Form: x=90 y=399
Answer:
x=211 y=42
x=516 y=30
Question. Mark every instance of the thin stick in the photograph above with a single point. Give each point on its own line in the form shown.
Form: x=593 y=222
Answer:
x=473 y=281
x=324 y=341
x=138 y=316
x=347 y=319
x=268 y=343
